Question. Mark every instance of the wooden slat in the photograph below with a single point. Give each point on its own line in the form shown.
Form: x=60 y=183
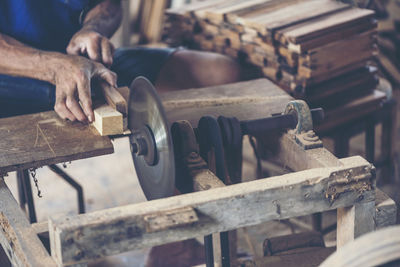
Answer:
x=41 y=139
x=348 y=32
x=351 y=111
x=354 y=221
x=386 y=210
x=246 y=100
x=296 y=13
x=337 y=55
x=17 y=237
x=76 y=239
x=320 y=26
x=297 y=258
x=293 y=156
x=114 y=98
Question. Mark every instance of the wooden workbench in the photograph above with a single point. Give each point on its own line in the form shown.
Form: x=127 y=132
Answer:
x=41 y=139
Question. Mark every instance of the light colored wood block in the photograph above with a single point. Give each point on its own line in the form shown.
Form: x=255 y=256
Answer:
x=108 y=121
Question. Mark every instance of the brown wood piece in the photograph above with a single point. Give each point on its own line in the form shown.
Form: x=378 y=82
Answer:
x=292 y=195
x=36 y=140
x=279 y=244
x=169 y=219
x=114 y=98
x=17 y=237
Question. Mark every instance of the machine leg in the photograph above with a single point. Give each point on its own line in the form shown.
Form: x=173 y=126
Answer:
x=225 y=252
x=341 y=145
x=317 y=222
x=23 y=176
x=81 y=202
x=208 y=246
x=21 y=191
x=370 y=142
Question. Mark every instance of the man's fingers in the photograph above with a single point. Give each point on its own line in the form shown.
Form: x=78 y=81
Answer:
x=94 y=49
x=84 y=94
x=61 y=109
x=73 y=49
x=73 y=106
x=107 y=75
x=107 y=51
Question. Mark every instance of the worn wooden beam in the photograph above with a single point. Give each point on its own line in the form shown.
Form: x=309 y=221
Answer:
x=293 y=156
x=93 y=235
x=354 y=221
x=17 y=237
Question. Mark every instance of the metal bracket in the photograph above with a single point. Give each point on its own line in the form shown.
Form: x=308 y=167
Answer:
x=303 y=133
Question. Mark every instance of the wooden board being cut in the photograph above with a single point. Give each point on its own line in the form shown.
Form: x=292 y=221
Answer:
x=108 y=121
x=41 y=139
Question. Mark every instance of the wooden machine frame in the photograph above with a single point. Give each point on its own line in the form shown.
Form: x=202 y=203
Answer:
x=321 y=182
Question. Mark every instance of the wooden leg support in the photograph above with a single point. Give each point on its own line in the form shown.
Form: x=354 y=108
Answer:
x=354 y=221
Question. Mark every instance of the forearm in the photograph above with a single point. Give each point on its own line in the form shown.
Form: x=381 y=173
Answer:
x=19 y=59
x=104 y=18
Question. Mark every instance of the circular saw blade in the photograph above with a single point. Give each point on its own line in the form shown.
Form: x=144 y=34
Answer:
x=145 y=110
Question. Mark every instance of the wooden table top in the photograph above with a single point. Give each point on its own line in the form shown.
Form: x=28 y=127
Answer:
x=40 y=139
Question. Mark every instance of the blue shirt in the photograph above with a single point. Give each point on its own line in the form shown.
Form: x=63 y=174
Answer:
x=43 y=24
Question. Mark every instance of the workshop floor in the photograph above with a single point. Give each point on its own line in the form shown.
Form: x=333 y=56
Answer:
x=110 y=181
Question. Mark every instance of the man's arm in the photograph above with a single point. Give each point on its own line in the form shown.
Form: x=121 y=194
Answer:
x=70 y=74
x=99 y=25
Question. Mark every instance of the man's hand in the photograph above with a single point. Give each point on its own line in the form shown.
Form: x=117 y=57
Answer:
x=93 y=45
x=72 y=77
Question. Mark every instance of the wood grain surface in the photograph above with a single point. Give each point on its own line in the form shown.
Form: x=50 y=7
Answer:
x=41 y=139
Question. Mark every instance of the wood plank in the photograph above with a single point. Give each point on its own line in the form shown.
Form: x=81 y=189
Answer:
x=275 y=245
x=386 y=210
x=41 y=139
x=299 y=258
x=294 y=14
x=76 y=239
x=261 y=99
x=336 y=55
x=17 y=237
x=293 y=156
x=108 y=121
x=331 y=37
x=241 y=15
x=350 y=111
x=114 y=98
x=354 y=221
x=323 y=25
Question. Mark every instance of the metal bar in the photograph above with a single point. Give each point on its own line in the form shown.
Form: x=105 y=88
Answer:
x=225 y=252
x=73 y=183
x=21 y=191
x=277 y=122
x=208 y=247
x=26 y=184
x=317 y=222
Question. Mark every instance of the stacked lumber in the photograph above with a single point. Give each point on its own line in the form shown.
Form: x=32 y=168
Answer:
x=389 y=39
x=314 y=49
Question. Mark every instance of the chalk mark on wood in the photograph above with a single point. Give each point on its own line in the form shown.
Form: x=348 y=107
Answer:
x=38 y=129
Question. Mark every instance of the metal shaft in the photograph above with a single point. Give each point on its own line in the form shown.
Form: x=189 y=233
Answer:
x=278 y=122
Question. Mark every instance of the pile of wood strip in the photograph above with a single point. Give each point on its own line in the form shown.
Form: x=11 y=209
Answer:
x=314 y=49
x=389 y=39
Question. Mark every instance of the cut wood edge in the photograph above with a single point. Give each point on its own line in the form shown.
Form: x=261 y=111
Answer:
x=108 y=121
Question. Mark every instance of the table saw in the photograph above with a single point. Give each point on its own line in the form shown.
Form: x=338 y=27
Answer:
x=197 y=155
